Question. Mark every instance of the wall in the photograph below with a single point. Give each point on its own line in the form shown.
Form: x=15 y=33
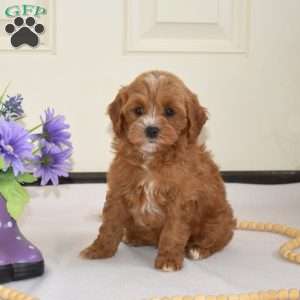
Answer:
x=251 y=86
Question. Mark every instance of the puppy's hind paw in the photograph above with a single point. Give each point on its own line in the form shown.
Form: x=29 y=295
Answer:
x=195 y=253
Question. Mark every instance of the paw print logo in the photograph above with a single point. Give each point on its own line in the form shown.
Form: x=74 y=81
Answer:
x=24 y=32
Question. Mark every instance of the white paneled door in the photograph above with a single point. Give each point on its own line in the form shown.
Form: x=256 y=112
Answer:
x=187 y=26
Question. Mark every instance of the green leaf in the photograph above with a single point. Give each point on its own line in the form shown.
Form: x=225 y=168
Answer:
x=2 y=163
x=16 y=196
x=26 y=178
x=4 y=93
x=8 y=175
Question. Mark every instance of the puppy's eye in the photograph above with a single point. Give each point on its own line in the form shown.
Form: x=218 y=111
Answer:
x=139 y=111
x=169 y=112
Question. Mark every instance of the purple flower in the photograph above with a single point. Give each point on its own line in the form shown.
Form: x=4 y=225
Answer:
x=15 y=147
x=12 y=108
x=54 y=130
x=52 y=163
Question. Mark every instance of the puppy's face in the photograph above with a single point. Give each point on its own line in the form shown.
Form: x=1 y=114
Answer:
x=155 y=112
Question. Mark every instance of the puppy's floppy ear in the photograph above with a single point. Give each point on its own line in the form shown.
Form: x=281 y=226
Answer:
x=197 y=116
x=115 y=112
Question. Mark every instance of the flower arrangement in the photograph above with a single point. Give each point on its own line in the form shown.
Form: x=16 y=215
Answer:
x=26 y=156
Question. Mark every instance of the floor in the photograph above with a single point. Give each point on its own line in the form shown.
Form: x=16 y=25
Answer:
x=63 y=220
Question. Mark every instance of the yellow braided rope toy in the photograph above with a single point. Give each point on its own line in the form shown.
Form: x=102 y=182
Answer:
x=286 y=251
x=10 y=294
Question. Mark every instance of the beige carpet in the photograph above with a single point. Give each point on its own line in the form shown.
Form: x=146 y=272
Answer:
x=63 y=220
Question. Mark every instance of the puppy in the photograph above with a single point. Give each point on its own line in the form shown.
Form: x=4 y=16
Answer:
x=164 y=190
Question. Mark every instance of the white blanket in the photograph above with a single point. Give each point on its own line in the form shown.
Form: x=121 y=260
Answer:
x=63 y=220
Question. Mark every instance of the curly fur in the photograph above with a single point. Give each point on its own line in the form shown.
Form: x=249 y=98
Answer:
x=166 y=192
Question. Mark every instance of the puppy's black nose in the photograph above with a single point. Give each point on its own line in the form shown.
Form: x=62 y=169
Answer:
x=152 y=132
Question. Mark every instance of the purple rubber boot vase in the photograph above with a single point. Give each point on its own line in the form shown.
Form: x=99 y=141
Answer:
x=19 y=259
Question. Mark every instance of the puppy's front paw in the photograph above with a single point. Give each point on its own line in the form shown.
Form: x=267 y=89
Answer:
x=168 y=264
x=96 y=252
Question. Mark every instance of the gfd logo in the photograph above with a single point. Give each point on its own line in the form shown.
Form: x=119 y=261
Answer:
x=24 y=29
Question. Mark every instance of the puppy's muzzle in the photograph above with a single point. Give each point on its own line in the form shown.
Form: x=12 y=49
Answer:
x=151 y=132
